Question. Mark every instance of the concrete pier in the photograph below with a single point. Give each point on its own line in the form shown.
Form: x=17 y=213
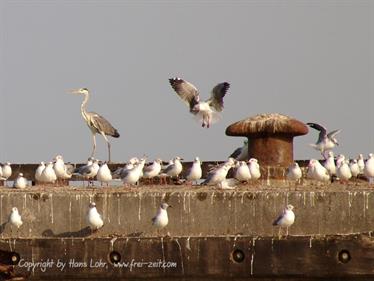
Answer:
x=212 y=234
x=197 y=211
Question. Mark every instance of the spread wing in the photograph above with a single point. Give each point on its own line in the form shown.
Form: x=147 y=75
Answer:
x=186 y=91
x=102 y=125
x=322 y=130
x=332 y=134
x=236 y=153
x=218 y=92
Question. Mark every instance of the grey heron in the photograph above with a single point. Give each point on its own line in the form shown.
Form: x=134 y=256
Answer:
x=97 y=123
x=207 y=111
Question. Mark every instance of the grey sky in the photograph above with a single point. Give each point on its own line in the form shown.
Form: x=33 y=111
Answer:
x=312 y=60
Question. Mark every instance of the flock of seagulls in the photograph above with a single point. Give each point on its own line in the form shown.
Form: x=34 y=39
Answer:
x=227 y=175
x=340 y=168
x=96 y=221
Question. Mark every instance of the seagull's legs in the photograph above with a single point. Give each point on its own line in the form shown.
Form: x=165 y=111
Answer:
x=94 y=144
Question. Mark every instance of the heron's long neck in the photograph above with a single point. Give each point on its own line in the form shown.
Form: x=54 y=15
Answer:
x=83 y=106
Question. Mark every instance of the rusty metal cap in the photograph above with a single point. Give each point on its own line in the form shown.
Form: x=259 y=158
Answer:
x=267 y=124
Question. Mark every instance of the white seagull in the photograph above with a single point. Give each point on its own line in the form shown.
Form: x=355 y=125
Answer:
x=207 y=111
x=361 y=163
x=294 y=172
x=230 y=183
x=104 y=174
x=7 y=171
x=369 y=168
x=88 y=171
x=174 y=169
x=218 y=175
x=61 y=169
x=329 y=164
x=15 y=218
x=20 y=182
x=343 y=172
x=94 y=219
x=285 y=219
x=195 y=172
x=242 y=172
x=152 y=170
x=161 y=219
x=254 y=168
x=316 y=171
x=132 y=176
x=39 y=171
x=241 y=153
x=48 y=174
x=355 y=169
x=326 y=141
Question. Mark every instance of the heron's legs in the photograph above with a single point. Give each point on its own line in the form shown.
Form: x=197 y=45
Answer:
x=107 y=141
x=94 y=145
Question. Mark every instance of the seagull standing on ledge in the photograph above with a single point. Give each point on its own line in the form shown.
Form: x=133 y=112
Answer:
x=94 y=219
x=161 y=219
x=285 y=219
x=97 y=123
x=15 y=218
x=326 y=141
x=206 y=111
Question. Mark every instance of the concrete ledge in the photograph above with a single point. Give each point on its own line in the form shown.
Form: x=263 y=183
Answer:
x=250 y=210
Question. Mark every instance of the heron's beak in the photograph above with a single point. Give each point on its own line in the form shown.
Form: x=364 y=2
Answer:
x=74 y=91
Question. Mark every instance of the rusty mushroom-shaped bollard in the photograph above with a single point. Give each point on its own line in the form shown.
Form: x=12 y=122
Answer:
x=270 y=137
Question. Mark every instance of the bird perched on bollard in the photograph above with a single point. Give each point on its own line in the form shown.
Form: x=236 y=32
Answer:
x=326 y=141
x=97 y=123
x=206 y=111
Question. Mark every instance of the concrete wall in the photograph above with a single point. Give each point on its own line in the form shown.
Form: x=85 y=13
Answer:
x=61 y=212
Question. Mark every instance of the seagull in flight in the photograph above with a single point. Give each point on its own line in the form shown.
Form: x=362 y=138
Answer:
x=326 y=141
x=206 y=111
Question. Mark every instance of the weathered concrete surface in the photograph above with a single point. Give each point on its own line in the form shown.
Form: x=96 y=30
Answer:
x=197 y=211
x=186 y=258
